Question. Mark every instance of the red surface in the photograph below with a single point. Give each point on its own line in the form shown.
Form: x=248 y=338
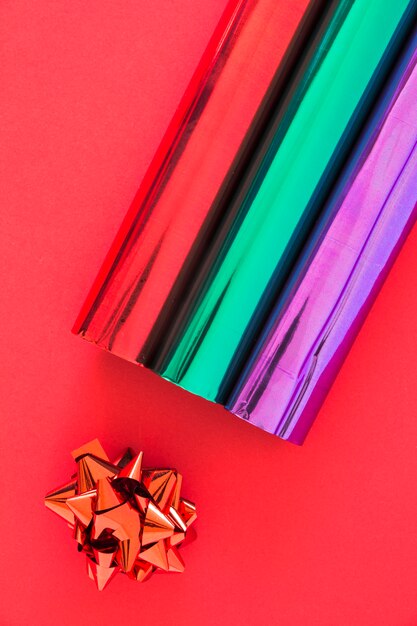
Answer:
x=320 y=535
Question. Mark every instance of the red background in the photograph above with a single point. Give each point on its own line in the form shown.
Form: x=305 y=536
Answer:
x=324 y=534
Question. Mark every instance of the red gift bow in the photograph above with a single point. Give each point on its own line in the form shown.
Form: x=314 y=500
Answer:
x=125 y=518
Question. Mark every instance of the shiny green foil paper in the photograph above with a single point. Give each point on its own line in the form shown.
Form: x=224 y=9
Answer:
x=280 y=199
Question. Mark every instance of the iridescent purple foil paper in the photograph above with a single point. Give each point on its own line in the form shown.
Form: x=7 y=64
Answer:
x=336 y=281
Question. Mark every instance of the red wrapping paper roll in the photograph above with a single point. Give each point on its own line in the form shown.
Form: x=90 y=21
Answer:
x=182 y=195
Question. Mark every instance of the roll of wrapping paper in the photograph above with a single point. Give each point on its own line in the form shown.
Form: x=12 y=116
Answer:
x=278 y=203
x=340 y=273
x=223 y=111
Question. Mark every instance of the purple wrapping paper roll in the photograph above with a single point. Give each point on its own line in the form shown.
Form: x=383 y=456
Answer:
x=335 y=283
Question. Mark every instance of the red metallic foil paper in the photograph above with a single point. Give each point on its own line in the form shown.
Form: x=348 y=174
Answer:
x=124 y=518
x=184 y=193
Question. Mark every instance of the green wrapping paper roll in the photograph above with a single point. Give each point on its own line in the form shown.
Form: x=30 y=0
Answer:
x=279 y=202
